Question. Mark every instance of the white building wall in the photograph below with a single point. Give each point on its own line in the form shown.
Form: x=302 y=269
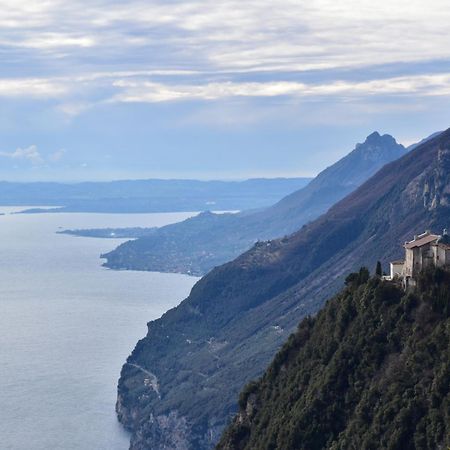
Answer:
x=409 y=262
x=397 y=270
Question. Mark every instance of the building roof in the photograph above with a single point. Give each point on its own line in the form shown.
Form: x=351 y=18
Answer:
x=421 y=241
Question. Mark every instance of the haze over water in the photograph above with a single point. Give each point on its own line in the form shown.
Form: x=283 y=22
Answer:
x=66 y=327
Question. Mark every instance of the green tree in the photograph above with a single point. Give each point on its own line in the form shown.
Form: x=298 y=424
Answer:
x=364 y=275
x=338 y=383
x=379 y=270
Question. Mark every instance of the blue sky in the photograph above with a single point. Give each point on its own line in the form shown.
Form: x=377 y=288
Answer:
x=213 y=89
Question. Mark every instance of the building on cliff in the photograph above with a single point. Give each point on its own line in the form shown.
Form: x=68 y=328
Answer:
x=425 y=250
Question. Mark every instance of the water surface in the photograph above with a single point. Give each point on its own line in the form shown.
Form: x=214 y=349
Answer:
x=66 y=327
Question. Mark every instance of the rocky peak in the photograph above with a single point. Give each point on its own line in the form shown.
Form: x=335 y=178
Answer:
x=363 y=162
x=376 y=137
x=379 y=147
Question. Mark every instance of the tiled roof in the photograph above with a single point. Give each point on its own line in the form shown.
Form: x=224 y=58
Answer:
x=428 y=239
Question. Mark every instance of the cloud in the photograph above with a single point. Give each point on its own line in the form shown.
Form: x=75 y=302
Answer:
x=32 y=87
x=29 y=154
x=55 y=40
x=149 y=92
x=81 y=54
x=32 y=156
x=223 y=36
x=57 y=156
x=73 y=109
x=75 y=94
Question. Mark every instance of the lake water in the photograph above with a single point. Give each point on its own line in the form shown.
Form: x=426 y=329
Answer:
x=66 y=327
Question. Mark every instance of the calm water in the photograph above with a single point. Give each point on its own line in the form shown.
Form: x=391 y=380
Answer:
x=66 y=327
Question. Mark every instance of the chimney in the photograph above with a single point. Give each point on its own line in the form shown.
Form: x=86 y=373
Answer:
x=415 y=237
x=445 y=232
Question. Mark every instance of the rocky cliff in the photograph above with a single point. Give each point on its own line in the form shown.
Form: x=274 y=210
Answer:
x=236 y=318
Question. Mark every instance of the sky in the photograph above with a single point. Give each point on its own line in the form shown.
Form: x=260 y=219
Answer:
x=223 y=89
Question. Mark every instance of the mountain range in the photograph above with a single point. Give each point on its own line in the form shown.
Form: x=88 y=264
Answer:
x=198 y=244
x=179 y=387
x=144 y=196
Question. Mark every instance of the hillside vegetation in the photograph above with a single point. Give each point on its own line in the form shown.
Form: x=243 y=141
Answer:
x=370 y=372
x=239 y=315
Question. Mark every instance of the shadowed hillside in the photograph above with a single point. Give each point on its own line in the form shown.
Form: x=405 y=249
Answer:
x=238 y=316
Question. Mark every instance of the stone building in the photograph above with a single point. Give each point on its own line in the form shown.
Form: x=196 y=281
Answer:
x=425 y=250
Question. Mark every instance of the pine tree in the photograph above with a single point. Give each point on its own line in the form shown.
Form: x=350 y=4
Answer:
x=379 y=270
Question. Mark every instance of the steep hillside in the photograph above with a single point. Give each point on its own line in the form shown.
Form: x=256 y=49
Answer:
x=371 y=371
x=236 y=318
x=199 y=244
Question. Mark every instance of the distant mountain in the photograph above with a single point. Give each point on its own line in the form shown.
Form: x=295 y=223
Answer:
x=371 y=371
x=431 y=136
x=140 y=196
x=201 y=243
x=179 y=387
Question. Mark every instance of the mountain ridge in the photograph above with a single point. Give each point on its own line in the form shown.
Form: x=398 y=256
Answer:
x=197 y=245
x=239 y=315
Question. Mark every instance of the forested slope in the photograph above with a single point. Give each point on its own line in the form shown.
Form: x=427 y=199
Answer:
x=370 y=372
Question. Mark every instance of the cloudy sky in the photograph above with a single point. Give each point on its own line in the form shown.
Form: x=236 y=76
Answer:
x=100 y=89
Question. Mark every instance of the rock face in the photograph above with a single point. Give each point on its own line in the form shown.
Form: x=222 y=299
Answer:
x=237 y=317
x=371 y=371
x=199 y=244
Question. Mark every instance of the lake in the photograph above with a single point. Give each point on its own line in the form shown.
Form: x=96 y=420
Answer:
x=66 y=327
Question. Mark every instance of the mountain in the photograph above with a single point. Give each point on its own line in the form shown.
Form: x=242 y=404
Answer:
x=226 y=332
x=208 y=240
x=371 y=371
x=139 y=196
x=423 y=141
